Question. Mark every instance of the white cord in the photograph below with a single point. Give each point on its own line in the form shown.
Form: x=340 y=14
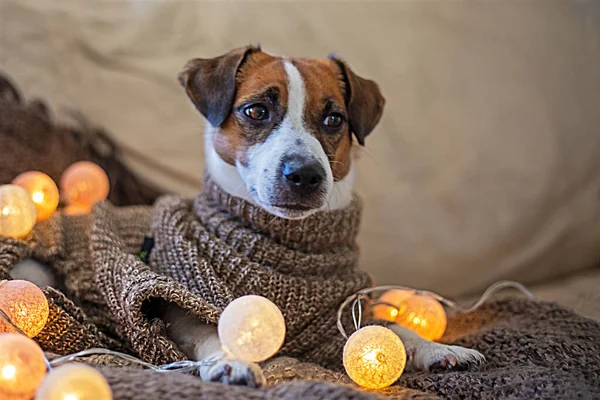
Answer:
x=356 y=300
x=177 y=366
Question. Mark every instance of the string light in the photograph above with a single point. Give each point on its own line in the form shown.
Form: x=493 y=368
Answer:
x=42 y=190
x=84 y=184
x=357 y=298
x=17 y=212
x=21 y=370
x=74 y=382
x=22 y=366
x=361 y=350
x=419 y=313
x=374 y=357
x=25 y=305
x=75 y=209
x=252 y=328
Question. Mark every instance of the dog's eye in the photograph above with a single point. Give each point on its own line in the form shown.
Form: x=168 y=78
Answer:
x=333 y=120
x=256 y=112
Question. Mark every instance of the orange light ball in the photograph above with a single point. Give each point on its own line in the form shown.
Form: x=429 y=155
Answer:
x=22 y=366
x=17 y=212
x=42 y=190
x=75 y=209
x=420 y=313
x=84 y=184
x=26 y=306
x=74 y=382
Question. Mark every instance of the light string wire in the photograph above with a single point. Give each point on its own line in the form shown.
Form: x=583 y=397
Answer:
x=177 y=366
x=357 y=298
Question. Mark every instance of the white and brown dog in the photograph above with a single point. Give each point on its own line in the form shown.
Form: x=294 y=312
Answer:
x=280 y=136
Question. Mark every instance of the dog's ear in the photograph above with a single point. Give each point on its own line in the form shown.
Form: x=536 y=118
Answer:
x=210 y=83
x=363 y=101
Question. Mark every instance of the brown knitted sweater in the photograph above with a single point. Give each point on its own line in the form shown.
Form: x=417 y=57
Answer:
x=206 y=253
x=217 y=248
x=221 y=247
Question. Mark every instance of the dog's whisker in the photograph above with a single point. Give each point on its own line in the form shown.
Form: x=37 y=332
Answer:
x=338 y=190
x=270 y=222
x=369 y=154
x=241 y=185
x=328 y=205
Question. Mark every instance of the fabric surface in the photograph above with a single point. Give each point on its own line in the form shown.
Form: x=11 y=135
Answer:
x=30 y=140
x=533 y=349
x=484 y=166
x=577 y=291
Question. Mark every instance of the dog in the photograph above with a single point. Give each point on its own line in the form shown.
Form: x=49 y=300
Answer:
x=280 y=135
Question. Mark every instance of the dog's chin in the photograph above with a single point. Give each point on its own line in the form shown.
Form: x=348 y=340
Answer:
x=288 y=206
x=290 y=211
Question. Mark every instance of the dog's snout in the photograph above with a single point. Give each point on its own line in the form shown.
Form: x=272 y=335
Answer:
x=303 y=177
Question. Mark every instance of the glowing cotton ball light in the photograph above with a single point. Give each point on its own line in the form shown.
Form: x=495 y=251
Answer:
x=374 y=357
x=22 y=367
x=417 y=312
x=75 y=209
x=42 y=190
x=74 y=382
x=252 y=328
x=17 y=212
x=26 y=306
x=84 y=184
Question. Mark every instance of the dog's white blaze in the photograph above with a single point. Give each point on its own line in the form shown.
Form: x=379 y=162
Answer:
x=291 y=137
x=294 y=117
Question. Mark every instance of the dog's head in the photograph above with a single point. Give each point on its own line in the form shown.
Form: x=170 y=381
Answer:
x=286 y=125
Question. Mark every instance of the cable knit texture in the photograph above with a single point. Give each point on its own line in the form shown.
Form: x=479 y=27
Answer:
x=215 y=248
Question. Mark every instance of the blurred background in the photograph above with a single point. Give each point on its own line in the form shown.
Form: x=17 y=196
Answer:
x=486 y=164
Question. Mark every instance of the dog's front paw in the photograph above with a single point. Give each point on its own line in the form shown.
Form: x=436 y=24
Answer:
x=432 y=357
x=230 y=371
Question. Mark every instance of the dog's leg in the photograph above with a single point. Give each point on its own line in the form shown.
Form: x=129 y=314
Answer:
x=425 y=355
x=200 y=341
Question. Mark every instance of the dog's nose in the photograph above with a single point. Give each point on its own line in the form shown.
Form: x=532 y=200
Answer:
x=303 y=178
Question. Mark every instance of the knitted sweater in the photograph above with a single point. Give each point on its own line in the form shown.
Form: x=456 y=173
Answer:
x=221 y=247
x=206 y=253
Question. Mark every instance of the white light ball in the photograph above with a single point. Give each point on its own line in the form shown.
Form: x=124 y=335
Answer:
x=252 y=328
x=374 y=357
x=74 y=381
x=17 y=212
